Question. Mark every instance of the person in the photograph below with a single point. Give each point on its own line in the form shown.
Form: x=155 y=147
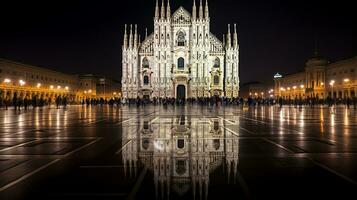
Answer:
x=58 y=101
x=7 y=102
x=280 y=102
x=348 y=102
x=25 y=102
x=64 y=102
x=14 y=101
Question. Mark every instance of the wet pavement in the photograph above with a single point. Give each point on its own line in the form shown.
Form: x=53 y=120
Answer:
x=189 y=152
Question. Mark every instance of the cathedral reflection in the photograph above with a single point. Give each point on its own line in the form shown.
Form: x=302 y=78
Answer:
x=181 y=152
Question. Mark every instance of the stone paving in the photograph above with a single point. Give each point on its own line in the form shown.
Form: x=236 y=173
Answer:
x=187 y=152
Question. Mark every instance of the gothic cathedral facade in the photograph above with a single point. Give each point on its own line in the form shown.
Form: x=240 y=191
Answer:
x=181 y=59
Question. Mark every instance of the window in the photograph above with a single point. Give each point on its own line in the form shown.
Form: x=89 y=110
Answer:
x=216 y=80
x=216 y=144
x=181 y=39
x=181 y=64
x=0 y=71
x=146 y=80
x=180 y=167
x=146 y=125
x=145 y=144
x=145 y=63
x=216 y=125
x=216 y=63
x=180 y=143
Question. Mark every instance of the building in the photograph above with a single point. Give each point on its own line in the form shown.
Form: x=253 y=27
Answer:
x=181 y=58
x=99 y=87
x=181 y=152
x=320 y=79
x=28 y=81
x=256 y=90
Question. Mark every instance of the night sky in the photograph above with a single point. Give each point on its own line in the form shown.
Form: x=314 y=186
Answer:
x=86 y=36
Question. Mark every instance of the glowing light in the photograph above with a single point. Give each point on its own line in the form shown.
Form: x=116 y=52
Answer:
x=294 y=87
x=58 y=87
x=38 y=85
x=67 y=88
x=288 y=88
x=332 y=83
x=302 y=86
x=262 y=93
x=7 y=80
x=22 y=83
x=346 y=80
x=322 y=83
x=51 y=86
x=89 y=91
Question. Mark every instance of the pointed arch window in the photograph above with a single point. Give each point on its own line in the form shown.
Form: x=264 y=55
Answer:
x=216 y=80
x=145 y=63
x=146 y=80
x=181 y=38
x=181 y=64
x=216 y=63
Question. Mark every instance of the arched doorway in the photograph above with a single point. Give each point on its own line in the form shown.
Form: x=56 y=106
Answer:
x=181 y=92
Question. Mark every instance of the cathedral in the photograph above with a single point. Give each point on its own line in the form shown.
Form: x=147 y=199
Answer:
x=181 y=59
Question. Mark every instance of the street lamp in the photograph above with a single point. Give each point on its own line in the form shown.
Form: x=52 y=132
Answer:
x=332 y=83
x=22 y=83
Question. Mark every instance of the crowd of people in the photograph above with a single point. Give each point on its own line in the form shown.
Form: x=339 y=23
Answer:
x=25 y=102
x=62 y=101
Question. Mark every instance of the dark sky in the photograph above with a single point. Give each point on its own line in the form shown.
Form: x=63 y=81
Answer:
x=86 y=36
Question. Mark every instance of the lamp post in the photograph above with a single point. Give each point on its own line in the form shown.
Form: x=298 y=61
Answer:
x=346 y=81
x=332 y=83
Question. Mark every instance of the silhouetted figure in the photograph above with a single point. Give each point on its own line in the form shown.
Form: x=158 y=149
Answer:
x=64 y=102
x=58 y=101
x=26 y=103
x=14 y=101
x=348 y=102
x=280 y=102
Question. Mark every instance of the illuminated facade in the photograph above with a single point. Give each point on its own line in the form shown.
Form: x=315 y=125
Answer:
x=320 y=79
x=181 y=58
x=29 y=81
x=181 y=152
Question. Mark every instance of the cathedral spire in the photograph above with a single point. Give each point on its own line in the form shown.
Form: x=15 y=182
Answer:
x=146 y=33
x=136 y=37
x=194 y=10
x=131 y=36
x=162 y=9
x=206 y=11
x=229 y=43
x=125 y=43
x=224 y=40
x=235 y=36
x=157 y=10
x=168 y=11
x=201 y=10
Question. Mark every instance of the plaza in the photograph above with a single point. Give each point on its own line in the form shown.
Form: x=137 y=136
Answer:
x=178 y=152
